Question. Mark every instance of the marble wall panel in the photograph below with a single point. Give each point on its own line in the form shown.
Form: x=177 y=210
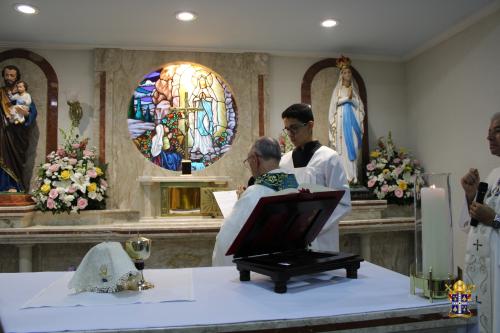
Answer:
x=392 y=250
x=125 y=68
x=9 y=262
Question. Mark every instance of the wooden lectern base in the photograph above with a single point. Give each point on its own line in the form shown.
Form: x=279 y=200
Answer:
x=282 y=266
x=8 y=199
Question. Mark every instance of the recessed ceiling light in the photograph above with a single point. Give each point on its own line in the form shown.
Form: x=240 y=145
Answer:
x=25 y=9
x=185 y=16
x=329 y=23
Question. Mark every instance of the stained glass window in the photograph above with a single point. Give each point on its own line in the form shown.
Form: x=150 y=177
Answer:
x=182 y=111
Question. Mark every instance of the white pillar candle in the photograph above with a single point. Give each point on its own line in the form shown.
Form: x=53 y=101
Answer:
x=435 y=232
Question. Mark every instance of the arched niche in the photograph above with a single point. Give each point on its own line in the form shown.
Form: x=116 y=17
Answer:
x=44 y=88
x=52 y=91
x=307 y=95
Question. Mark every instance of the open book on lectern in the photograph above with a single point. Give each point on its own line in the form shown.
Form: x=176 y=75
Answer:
x=282 y=223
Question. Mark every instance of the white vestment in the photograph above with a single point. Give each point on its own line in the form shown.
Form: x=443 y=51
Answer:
x=236 y=219
x=325 y=169
x=482 y=259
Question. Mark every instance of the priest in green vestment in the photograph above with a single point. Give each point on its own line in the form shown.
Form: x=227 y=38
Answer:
x=263 y=161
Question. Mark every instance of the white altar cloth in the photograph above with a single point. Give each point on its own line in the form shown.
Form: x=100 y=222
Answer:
x=169 y=286
x=220 y=299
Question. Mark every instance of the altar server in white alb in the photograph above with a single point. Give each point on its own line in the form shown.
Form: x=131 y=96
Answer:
x=316 y=164
x=482 y=259
x=263 y=161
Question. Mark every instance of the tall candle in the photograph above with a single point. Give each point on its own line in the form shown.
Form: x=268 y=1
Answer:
x=435 y=232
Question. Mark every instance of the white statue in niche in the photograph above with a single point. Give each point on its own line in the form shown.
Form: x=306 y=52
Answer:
x=346 y=120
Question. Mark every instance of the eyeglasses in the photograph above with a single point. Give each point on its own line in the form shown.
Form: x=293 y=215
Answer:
x=294 y=128
x=246 y=162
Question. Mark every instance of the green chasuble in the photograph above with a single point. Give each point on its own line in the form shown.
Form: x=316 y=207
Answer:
x=277 y=181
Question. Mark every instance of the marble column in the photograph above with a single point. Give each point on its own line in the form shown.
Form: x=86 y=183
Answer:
x=148 y=206
x=366 y=246
x=25 y=257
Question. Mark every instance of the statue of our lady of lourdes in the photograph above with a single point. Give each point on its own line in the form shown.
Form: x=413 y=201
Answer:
x=346 y=120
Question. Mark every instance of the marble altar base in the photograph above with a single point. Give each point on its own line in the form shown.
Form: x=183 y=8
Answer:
x=184 y=241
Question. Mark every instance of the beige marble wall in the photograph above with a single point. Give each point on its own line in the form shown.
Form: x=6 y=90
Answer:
x=124 y=70
x=37 y=83
x=321 y=93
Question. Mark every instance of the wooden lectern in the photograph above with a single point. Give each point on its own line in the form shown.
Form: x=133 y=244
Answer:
x=274 y=239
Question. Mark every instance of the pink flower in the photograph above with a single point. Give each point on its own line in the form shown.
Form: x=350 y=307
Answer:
x=60 y=151
x=397 y=161
x=88 y=153
x=81 y=203
x=54 y=167
x=385 y=188
x=73 y=161
x=371 y=182
x=51 y=204
x=91 y=173
x=53 y=193
x=104 y=183
x=76 y=145
x=370 y=167
x=71 y=190
x=399 y=193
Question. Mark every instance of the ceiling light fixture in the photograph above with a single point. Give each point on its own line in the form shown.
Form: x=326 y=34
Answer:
x=329 y=23
x=185 y=16
x=25 y=9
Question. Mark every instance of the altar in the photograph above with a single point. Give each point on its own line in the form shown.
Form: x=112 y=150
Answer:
x=185 y=241
x=183 y=195
x=378 y=301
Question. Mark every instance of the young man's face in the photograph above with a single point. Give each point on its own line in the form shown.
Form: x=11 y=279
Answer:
x=299 y=133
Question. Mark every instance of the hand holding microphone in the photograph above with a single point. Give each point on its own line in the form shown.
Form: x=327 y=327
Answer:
x=481 y=192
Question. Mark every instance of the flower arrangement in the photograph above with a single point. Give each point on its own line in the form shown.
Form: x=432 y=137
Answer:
x=285 y=144
x=392 y=173
x=71 y=180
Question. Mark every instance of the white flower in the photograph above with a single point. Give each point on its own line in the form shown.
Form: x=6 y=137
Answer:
x=67 y=198
x=63 y=184
x=80 y=181
x=99 y=197
x=92 y=195
x=407 y=177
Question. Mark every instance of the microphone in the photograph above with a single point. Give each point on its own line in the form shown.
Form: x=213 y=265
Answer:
x=481 y=192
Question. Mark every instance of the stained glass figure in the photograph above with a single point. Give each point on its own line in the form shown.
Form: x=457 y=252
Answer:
x=183 y=110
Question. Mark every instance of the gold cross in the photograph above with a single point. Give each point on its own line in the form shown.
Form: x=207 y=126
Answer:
x=185 y=114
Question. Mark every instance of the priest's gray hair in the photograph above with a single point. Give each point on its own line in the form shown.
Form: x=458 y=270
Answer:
x=495 y=116
x=267 y=148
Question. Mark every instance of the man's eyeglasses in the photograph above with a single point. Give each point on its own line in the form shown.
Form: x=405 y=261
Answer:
x=246 y=161
x=294 y=128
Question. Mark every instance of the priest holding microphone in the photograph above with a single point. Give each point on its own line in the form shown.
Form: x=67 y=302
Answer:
x=480 y=218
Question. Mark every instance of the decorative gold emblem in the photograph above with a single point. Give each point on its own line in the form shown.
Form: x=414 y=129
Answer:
x=460 y=297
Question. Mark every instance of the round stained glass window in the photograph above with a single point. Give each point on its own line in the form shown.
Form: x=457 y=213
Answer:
x=182 y=111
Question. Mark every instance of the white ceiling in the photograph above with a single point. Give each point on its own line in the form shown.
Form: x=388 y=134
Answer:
x=394 y=29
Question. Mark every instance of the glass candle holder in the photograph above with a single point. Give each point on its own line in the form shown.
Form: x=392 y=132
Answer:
x=433 y=268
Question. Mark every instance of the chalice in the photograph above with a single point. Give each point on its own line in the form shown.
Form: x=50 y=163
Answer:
x=139 y=249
